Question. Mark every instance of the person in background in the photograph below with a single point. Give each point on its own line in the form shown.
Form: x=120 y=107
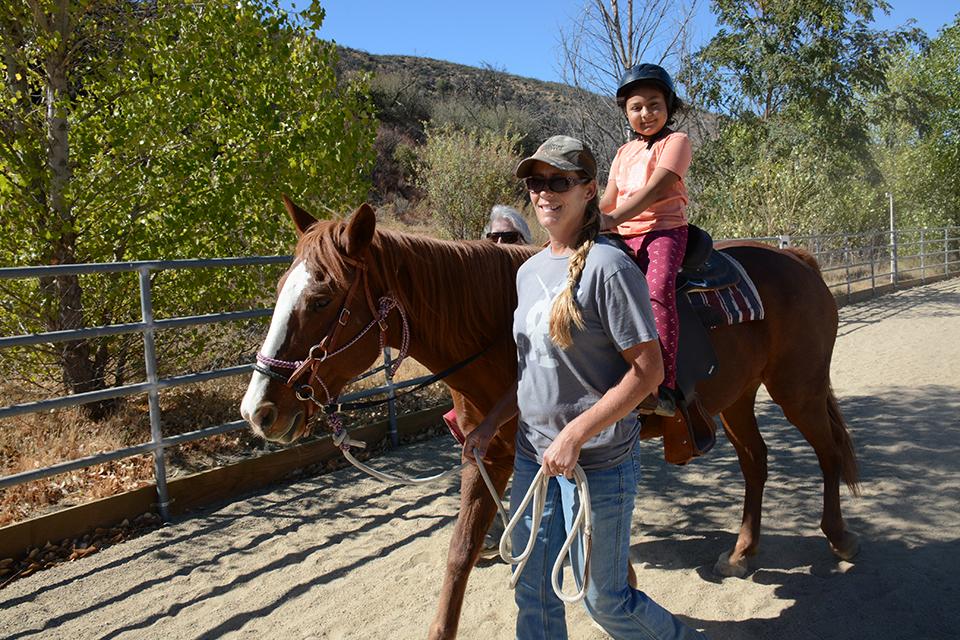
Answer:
x=507 y=226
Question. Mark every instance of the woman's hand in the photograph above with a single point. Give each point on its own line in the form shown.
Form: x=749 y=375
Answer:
x=561 y=456
x=480 y=438
x=500 y=414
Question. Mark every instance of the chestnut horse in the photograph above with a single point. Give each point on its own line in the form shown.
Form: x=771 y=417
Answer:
x=457 y=298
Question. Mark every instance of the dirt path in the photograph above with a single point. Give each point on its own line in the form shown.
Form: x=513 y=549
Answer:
x=344 y=556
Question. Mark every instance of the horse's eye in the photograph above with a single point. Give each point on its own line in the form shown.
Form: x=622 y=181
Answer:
x=318 y=303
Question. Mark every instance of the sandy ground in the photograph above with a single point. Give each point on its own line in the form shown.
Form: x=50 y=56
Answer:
x=344 y=556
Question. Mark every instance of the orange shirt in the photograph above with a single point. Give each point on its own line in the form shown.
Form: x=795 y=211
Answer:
x=632 y=168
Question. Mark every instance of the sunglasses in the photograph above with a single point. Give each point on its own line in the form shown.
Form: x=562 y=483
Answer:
x=504 y=237
x=556 y=184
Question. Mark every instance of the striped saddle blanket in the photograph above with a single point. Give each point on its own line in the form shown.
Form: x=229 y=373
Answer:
x=733 y=304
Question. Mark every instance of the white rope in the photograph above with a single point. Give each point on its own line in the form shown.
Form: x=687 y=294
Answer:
x=491 y=488
x=342 y=438
x=538 y=493
x=386 y=477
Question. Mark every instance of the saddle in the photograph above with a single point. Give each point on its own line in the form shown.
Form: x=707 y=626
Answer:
x=704 y=268
x=691 y=432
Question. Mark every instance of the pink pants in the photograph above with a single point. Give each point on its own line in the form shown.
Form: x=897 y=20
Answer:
x=659 y=254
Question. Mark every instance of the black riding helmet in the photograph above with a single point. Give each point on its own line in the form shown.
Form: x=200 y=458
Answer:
x=646 y=73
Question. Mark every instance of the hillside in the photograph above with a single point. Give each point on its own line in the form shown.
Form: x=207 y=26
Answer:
x=412 y=92
x=433 y=82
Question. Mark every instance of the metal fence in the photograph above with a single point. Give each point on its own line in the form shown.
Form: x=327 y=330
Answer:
x=849 y=262
x=148 y=327
x=853 y=262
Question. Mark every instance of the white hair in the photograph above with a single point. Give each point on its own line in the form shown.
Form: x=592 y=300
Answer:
x=511 y=215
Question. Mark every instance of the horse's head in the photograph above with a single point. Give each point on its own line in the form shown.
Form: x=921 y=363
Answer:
x=316 y=342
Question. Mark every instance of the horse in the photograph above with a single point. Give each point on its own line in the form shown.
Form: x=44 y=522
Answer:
x=450 y=304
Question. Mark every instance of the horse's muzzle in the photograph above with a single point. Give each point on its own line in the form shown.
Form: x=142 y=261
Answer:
x=266 y=421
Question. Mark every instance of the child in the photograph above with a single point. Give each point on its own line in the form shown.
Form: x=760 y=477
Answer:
x=645 y=200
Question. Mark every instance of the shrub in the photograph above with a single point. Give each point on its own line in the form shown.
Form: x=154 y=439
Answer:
x=465 y=173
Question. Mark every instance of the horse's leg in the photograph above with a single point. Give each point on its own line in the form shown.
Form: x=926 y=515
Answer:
x=477 y=511
x=819 y=420
x=740 y=425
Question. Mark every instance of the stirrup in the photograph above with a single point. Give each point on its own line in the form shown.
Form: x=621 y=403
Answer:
x=666 y=402
x=663 y=403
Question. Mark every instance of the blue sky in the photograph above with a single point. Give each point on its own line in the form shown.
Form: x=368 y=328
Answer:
x=521 y=37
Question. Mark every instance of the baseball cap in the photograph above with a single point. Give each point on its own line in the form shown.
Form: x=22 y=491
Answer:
x=564 y=153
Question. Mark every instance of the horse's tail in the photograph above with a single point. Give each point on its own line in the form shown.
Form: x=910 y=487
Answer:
x=803 y=256
x=841 y=435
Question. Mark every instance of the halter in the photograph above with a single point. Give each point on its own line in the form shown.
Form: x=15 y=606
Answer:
x=305 y=391
x=327 y=347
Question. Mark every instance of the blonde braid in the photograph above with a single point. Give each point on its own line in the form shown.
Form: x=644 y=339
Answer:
x=565 y=310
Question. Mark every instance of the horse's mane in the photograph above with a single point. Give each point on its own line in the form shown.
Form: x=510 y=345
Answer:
x=462 y=291
x=804 y=256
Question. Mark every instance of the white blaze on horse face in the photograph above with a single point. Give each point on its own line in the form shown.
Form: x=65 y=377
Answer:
x=294 y=286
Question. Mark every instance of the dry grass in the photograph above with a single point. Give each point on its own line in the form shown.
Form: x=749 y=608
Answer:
x=910 y=274
x=39 y=440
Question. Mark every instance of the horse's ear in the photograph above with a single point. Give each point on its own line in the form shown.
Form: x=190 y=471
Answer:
x=359 y=230
x=301 y=219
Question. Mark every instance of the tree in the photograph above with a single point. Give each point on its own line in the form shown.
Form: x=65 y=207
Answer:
x=916 y=131
x=795 y=74
x=603 y=42
x=136 y=131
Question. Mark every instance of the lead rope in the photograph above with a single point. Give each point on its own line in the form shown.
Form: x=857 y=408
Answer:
x=493 y=492
x=342 y=440
x=537 y=492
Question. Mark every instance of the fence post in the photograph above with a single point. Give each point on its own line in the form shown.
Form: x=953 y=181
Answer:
x=391 y=395
x=847 y=260
x=893 y=246
x=946 y=251
x=150 y=360
x=923 y=256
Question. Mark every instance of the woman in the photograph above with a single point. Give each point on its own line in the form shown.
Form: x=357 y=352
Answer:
x=507 y=226
x=587 y=355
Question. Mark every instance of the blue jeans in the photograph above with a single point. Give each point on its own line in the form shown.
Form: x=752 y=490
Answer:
x=621 y=610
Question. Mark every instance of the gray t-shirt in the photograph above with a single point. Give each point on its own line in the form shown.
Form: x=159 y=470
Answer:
x=556 y=385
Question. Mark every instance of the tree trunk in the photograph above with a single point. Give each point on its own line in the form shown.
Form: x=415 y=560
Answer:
x=79 y=371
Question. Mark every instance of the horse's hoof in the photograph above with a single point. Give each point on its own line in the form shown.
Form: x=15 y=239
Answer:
x=848 y=547
x=724 y=567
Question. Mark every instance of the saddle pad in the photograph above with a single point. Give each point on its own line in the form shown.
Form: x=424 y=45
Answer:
x=731 y=305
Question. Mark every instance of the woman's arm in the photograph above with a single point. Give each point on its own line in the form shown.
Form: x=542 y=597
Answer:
x=640 y=380
x=657 y=187
x=505 y=409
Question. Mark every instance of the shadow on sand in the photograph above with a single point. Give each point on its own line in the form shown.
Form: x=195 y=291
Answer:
x=902 y=585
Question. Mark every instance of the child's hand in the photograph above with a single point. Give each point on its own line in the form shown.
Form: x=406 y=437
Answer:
x=606 y=222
